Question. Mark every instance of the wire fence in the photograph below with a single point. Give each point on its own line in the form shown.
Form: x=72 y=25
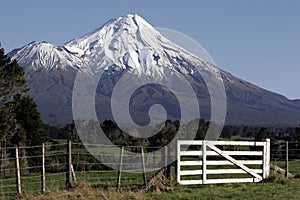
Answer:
x=286 y=155
x=62 y=165
x=54 y=166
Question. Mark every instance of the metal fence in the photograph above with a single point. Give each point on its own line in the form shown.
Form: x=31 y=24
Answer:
x=33 y=170
x=286 y=156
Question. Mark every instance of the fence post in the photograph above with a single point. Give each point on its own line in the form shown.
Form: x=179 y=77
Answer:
x=18 y=174
x=73 y=174
x=154 y=162
x=144 y=167
x=177 y=165
x=120 y=169
x=162 y=158
x=43 y=188
x=266 y=159
x=287 y=159
x=168 y=156
x=166 y=167
x=204 y=162
x=69 y=165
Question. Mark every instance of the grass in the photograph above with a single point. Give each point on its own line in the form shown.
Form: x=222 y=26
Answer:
x=294 y=166
x=31 y=184
x=91 y=183
x=102 y=184
x=270 y=190
x=275 y=188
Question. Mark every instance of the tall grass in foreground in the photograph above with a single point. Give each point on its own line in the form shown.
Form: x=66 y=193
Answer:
x=276 y=187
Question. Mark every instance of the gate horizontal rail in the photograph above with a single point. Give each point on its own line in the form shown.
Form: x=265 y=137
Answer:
x=249 y=158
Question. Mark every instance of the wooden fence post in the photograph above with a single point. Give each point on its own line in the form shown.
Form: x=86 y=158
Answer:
x=287 y=159
x=154 y=160
x=266 y=159
x=167 y=167
x=177 y=164
x=18 y=174
x=143 y=166
x=69 y=165
x=73 y=174
x=162 y=158
x=165 y=160
x=204 y=162
x=120 y=169
x=43 y=186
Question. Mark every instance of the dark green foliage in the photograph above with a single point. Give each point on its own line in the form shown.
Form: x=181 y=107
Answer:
x=12 y=79
x=6 y=123
x=29 y=119
x=55 y=132
x=20 y=121
x=294 y=144
x=297 y=134
x=165 y=135
x=113 y=132
x=12 y=83
x=262 y=134
x=202 y=129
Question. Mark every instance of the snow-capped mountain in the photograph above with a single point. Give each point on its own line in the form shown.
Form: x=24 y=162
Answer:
x=37 y=55
x=130 y=44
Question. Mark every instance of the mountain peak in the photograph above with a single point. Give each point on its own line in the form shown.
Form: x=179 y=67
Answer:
x=127 y=42
x=133 y=19
x=114 y=28
x=47 y=56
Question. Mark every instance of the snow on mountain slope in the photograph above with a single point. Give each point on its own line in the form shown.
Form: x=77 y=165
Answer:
x=36 y=55
x=127 y=42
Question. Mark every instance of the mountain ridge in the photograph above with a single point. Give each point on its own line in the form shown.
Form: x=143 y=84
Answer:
x=122 y=45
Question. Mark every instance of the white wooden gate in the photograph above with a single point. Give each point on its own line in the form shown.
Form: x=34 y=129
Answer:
x=209 y=162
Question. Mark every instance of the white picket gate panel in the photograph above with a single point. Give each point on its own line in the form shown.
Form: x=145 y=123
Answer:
x=201 y=161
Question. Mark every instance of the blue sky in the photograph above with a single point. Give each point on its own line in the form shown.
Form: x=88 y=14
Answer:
x=256 y=40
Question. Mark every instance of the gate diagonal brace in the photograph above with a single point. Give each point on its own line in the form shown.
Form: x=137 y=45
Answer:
x=234 y=161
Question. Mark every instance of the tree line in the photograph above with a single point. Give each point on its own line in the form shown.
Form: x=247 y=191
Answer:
x=21 y=124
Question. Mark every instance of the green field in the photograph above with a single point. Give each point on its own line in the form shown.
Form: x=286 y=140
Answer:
x=275 y=188
x=271 y=190
x=91 y=184
x=96 y=182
